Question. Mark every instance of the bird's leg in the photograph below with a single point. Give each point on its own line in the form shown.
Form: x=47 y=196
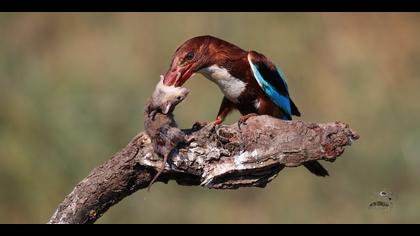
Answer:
x=215 y=124
x=225 y=108
x=244 y=118
x=218 y=121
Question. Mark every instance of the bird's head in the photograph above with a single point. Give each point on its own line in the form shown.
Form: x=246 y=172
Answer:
x=190 y=57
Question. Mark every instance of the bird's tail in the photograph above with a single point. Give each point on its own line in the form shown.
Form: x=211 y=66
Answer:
x=294 y=109
x=316 y=168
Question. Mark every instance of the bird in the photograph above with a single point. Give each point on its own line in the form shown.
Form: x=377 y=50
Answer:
x=249 y=81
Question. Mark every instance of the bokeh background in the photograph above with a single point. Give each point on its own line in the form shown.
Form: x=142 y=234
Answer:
x=72 y=89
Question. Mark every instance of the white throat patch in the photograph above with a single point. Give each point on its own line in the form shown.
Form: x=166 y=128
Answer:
x=231 y=87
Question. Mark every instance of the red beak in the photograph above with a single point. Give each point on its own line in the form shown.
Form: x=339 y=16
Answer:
x=178 y=76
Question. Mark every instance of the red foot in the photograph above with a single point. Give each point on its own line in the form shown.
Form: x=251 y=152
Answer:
x=244 y=118
x=218 y=121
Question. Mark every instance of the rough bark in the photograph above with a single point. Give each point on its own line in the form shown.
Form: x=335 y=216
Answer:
x=221 y=158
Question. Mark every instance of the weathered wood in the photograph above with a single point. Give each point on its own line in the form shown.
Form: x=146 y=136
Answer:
x=224 y=158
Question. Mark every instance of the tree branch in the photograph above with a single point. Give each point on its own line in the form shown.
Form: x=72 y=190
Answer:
x=221 y=158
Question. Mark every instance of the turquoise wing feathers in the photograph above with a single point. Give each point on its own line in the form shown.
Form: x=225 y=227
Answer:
x=273 y=83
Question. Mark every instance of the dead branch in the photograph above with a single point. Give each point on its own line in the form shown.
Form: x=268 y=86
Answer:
x=222 y=158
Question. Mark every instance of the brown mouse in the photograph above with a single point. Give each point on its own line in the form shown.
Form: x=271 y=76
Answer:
x=159 y=121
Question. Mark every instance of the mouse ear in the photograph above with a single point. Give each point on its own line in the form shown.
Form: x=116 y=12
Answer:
x=166 y=108
x=161 y=78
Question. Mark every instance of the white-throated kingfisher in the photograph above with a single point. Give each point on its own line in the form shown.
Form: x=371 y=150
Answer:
x=249 y=81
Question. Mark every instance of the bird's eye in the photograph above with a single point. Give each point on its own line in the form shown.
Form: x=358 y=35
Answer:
x=189 y=56
x=383 y=194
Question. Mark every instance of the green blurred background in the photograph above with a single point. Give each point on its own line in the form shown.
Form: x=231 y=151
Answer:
x=72 y=89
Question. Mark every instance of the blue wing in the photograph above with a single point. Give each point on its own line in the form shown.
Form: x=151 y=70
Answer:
x=272 y=82
x=278 y=98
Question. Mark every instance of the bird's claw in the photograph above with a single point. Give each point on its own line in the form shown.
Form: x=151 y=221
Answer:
x=242 y=120
x=240 y=123
x=218 y=121
x=216 y=124
x=214 y=127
